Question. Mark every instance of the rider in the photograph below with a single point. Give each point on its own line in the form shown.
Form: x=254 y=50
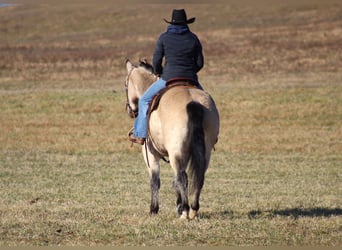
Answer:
x=183 y=59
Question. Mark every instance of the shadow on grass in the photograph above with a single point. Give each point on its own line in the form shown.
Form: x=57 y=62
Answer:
x=226 y=214
x=296 y=212
x=290 y=212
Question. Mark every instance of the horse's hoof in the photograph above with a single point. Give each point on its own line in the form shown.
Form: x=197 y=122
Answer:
x=184 y=215
x=193 y=214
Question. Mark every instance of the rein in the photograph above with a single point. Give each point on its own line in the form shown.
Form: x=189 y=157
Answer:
x=135 y=113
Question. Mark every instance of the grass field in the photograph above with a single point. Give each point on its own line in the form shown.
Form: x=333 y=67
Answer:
x=68 y=175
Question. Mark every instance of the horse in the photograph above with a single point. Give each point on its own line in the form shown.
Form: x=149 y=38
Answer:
x=184 y=127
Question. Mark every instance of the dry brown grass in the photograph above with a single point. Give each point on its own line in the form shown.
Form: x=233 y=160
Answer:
x=83 y=42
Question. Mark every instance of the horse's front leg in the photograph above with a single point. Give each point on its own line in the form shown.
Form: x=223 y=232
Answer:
x=153 y=167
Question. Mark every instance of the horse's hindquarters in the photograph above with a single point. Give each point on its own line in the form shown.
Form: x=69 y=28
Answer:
x=169 y=123
x=185 y=127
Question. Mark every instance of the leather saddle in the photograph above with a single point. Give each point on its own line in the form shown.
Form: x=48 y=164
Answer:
x=172 y=83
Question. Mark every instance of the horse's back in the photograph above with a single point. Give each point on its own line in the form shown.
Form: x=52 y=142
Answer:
x=175 y=100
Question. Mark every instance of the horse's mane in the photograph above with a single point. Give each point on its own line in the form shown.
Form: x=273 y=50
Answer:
x=144 y=64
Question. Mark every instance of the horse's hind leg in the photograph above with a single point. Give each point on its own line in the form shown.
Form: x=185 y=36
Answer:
x=196 y=185
x=154 y=171
x=180 y=185
x=155 y=186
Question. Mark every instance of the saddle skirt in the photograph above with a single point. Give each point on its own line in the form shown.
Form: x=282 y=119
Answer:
x=174 y=82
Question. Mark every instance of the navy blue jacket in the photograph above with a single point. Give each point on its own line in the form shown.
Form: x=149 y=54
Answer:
x=182 y=51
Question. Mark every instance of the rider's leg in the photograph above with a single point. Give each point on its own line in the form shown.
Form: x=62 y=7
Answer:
x=140 y=124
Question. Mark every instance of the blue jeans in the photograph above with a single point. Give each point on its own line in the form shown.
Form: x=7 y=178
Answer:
x=140 y=124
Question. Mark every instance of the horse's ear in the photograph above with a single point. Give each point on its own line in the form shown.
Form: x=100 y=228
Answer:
x=129 y=65
x=143 y=61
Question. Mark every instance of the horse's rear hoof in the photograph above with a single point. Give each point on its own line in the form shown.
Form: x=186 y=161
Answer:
x=193 y=214
x=184 y=215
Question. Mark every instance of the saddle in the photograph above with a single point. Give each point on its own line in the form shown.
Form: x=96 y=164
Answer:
x=174 y=82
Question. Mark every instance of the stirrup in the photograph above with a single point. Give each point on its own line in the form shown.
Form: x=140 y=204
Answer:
x=130 y=132
x=134 y=139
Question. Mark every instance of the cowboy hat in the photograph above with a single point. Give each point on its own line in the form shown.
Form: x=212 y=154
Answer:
x=179 y=17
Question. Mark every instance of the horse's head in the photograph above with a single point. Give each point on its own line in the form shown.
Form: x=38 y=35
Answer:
x=138 y=79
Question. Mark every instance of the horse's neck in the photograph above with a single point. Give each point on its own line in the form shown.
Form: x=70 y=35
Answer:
x=146 y=85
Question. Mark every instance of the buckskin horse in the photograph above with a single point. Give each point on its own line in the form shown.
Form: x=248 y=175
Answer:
x=183 y=127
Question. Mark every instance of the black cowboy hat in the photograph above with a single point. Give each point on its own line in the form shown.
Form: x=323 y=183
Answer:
x=179 y=17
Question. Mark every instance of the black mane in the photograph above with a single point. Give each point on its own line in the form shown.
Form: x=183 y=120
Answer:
x=146 y=65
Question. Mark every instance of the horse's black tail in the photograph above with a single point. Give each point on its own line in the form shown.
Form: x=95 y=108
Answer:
x=198 y=161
